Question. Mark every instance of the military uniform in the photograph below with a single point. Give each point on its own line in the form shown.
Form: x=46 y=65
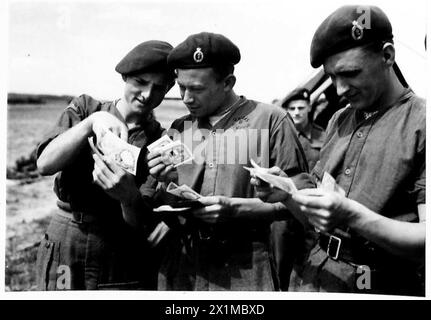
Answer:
x=311 y=141
x=235 y=255
x=379 y=160
x=87 y=239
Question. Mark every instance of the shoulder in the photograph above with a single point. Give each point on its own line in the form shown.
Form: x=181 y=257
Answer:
x=84 y=105
x=179 y=123
x=317 y=132
x=273 y=116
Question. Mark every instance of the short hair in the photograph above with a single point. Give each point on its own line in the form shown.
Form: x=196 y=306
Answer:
x=222 y=71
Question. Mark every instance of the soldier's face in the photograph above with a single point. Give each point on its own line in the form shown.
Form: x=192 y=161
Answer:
x=358 y=75
x=145 y=91
x=298 y=110
x=200 y=91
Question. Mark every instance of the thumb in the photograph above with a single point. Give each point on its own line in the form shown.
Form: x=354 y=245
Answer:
x=124 y=134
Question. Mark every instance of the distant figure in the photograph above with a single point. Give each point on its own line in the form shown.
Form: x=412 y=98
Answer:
x=310 y=135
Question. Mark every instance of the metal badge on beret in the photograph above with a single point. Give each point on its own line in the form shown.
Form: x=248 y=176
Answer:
x=198 y=56
x=357 y=30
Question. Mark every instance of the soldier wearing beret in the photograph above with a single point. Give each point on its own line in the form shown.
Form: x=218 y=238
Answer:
x=371 y=234
x=90 y=242
x=290 y=240
x=310 y=135
x=225 y=245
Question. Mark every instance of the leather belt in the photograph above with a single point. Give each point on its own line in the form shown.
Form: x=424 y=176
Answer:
x=76 y=216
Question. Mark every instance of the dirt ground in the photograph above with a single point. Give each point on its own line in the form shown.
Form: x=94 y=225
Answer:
x=28 y=206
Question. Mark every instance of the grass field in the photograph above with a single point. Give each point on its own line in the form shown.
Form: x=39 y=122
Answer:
x=28 y=203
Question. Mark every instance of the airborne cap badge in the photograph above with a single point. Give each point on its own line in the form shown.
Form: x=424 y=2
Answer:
x=198 y=56
x=357 y=30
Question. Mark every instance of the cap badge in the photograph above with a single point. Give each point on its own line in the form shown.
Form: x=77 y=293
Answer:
x=198 y=56
x=357 y=30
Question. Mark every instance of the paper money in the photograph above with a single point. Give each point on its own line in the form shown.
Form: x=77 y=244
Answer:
x=168 y=208
x=328 y=183
x=159 y=143
x=183 y=191
x=173 y=153
x=112 y=147
x=284 y=183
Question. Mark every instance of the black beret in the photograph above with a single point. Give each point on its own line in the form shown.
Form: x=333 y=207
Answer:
x=349 y=27
x=204 y=50
x=297 y=94
x=147 y=56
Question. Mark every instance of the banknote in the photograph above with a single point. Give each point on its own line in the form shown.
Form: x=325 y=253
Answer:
x=112 y=147
x=175 y=153
x=328 y=183
x=159 y=143
x=183 y=191
x=172 y=152
x=284 y=183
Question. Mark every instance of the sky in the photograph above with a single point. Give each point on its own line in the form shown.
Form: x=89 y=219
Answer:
x=72 y=47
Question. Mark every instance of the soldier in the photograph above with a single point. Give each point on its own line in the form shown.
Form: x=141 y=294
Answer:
x=372 y=239
x=226 y=244
x=90 y=240
x=310 y=135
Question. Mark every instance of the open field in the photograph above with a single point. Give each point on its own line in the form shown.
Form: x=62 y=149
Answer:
x=29 y=202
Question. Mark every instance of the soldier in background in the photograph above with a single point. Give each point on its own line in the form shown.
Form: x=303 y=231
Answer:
x=310 y=135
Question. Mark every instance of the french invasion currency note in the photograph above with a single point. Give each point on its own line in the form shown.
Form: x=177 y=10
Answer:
x=112 y=147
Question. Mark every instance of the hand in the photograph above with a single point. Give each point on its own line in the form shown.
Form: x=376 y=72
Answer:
x=102 y=121
x=325 y=210
x=267 y=192
x=116 y=182
x=217 y=209
x=157 y=168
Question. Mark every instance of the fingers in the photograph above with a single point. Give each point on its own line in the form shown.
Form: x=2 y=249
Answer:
x=312 y=201
x=153 y=154
x=124 y=133
x=208 y=201
x=277 y=171
x=103 y=174
x=158 y=169
x=208 y=214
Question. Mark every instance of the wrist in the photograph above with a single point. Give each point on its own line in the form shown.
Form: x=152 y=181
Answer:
x=88 y=125
x=355 y=213
x=132 y=200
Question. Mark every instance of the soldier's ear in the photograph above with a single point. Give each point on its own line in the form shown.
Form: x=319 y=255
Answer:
x=389 y=54
x=229 y=82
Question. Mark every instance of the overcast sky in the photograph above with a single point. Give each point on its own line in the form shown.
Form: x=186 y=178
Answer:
x=72 y=47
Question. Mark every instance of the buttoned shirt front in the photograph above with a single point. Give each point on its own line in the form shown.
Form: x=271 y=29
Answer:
x=251 y=130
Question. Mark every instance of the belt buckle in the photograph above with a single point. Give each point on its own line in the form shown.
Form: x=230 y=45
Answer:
x=337 y=242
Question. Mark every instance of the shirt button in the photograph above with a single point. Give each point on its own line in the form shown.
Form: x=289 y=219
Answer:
x=213 y=133
x=359 y=134
x=47 y=245
x=347 y=171
x=211 y=165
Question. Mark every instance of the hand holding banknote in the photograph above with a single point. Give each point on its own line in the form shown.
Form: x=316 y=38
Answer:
x=165 y=155
x=272 y=184
x=103 y=121
x=326 y=207
x=116 y=182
